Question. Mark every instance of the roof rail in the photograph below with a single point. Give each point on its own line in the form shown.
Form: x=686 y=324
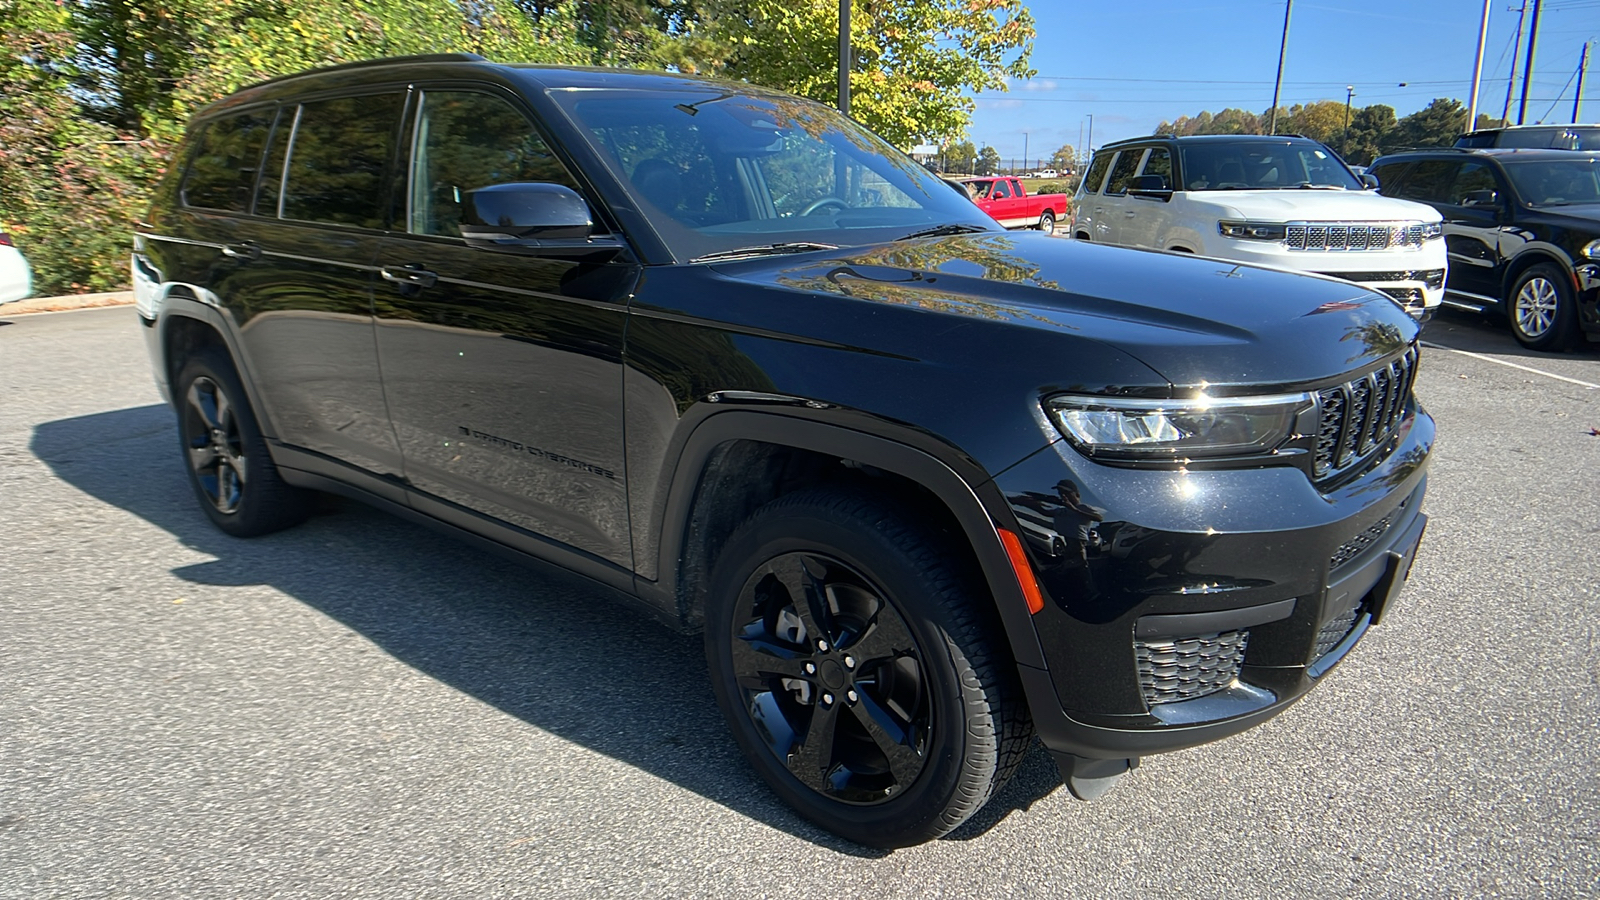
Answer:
x=369 y=63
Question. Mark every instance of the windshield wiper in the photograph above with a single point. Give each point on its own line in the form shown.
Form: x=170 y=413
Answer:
x=941 y=231
x=1308 y=186
x=765 y=250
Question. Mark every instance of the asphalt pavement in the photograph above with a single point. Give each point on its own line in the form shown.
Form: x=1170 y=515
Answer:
x=357 y=707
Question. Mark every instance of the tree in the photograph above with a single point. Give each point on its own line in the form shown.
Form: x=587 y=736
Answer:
x=1064 y=159
x=988 y=161
x=1435 y=125
x=959 y=156
x=914 y=62
x=1370 y=127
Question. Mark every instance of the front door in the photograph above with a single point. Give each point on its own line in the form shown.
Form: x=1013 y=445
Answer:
x=503 y=371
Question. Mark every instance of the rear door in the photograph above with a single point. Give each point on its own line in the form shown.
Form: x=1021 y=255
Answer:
x=1469 y=197
x=296 y=278
x=1145 y=220
x=1117 y=207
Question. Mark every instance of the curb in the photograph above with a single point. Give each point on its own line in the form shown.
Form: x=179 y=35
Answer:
x=71 y=301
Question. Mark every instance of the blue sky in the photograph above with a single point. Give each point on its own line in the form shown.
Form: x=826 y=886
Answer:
x=1133 y=65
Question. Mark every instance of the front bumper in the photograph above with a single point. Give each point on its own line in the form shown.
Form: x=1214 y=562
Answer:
x=1413 y=278
x=1209 y=601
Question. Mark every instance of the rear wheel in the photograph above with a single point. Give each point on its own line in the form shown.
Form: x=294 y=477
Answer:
x=1047 y=222
x=233 y=477
x=1541 y=309
x=859 y=671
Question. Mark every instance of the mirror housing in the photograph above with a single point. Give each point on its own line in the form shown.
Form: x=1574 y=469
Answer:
x=1370 y=180
x=1150 y=187
x=1481 y=198
x=536 y=218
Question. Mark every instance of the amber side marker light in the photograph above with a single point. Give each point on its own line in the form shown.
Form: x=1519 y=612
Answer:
x=1024 y=572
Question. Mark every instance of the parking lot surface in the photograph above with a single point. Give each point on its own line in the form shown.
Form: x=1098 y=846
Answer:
x=357 y=707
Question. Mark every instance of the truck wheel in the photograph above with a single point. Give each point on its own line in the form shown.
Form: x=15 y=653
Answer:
x=1541 y=309
x=233 y=477
x=860 y=671
x=1047 y=222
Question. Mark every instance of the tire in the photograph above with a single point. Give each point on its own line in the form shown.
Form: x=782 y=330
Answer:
x=1047 y=222
x=904 y=717
x=1541 y=310
x=232 y=475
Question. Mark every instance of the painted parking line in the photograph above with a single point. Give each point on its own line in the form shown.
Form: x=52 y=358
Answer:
x=1433 y=346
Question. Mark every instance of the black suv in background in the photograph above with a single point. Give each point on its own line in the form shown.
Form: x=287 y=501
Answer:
x=1522 y=229
x=1533 y=137
x=928 y=488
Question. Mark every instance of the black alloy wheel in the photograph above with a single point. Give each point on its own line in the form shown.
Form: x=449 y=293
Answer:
x=830 y=672
x=861 y=670
x=233 y=476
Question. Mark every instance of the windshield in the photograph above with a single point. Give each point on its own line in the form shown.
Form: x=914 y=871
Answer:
x=719 y=171
x=1555 y=182
x=1263 y=165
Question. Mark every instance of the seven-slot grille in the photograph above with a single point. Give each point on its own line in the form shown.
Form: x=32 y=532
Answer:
x=1361 y=414
x=1354 y=236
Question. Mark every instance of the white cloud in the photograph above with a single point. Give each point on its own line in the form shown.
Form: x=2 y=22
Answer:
x=1039 y=84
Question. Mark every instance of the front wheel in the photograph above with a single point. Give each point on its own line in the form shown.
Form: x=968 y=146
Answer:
x=1047 y=222
x=1541 y=309
x=233 y=477
x=861 y=672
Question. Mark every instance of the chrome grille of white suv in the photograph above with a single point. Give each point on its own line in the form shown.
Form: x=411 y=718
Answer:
x=1342 y=236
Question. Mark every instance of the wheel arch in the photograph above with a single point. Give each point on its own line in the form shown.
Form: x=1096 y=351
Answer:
x=1526 y=260
x=732 y=451
x=187 y=324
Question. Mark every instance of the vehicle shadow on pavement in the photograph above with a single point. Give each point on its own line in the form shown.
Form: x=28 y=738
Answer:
x=540 y=648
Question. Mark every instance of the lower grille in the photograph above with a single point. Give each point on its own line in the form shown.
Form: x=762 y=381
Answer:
x=1353 y=547
x=1184 y=668
x=1408 y=297
x=1433 y=278
x=1334 y=630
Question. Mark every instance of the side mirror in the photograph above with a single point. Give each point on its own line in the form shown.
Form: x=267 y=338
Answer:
x=1369 y=180
x=1150 y=187
x=1481 y=198
x=536 y=218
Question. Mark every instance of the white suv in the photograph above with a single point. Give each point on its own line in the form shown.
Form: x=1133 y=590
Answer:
x=1281 y=201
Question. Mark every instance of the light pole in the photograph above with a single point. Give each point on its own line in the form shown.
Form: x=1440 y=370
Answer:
x=1090 y=144
x=1024 y=150
x=844 y=57
x=1344 y=145
x=1288 y=6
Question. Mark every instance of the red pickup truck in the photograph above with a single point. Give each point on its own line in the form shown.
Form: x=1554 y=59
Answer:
x=1010 y=204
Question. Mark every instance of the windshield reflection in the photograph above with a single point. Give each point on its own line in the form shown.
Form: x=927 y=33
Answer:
x=1256 y=165
x=1556 y=182
x=717 y=170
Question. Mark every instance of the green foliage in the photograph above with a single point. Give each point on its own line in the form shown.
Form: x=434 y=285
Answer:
x=95 y=94
x=988 y=161
x=1064 y=158
x=912 y=60
x=1373 y=130
x=960 y=156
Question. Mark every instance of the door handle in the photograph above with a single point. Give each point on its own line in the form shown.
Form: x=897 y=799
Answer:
x=249 y=250
x=414 y=276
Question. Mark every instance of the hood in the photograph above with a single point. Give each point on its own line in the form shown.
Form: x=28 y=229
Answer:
x=1306 y=205
x=1577 y=216
x=1194 y=320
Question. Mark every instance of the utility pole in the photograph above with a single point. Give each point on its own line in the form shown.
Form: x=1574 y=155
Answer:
x=1583 y=68
x=1477 y=69
x=1278 y=85
x=1090 y=145
x=1516 y=45
x=1025 y=150
x=1344 y=145
x=844 y=56
x=1527 y=67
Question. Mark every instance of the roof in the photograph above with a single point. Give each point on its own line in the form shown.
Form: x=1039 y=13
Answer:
x=1501 y=153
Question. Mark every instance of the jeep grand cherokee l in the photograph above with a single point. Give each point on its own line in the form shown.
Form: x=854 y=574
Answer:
x=927 y=487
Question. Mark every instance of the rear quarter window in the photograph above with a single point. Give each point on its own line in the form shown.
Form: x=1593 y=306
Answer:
x=1097 y=173
x=227 y=158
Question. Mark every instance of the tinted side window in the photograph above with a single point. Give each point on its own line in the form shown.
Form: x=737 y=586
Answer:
x=223 y=171
x=465 y=141
x=1472 y=185
x=341 y=150
x=1097 y=172
x=1389 y=176
x=1122 y=172
x=1159 y=162
x=1430 y=181
x=1000 y=192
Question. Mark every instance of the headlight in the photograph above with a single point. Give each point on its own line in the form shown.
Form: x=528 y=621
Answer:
x=1432 y=230
x=1256 y=231
x=1592 y=249
x=1176 y=429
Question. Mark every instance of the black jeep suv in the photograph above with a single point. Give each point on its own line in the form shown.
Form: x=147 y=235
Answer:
x=1522 y=230
x=929 y=488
